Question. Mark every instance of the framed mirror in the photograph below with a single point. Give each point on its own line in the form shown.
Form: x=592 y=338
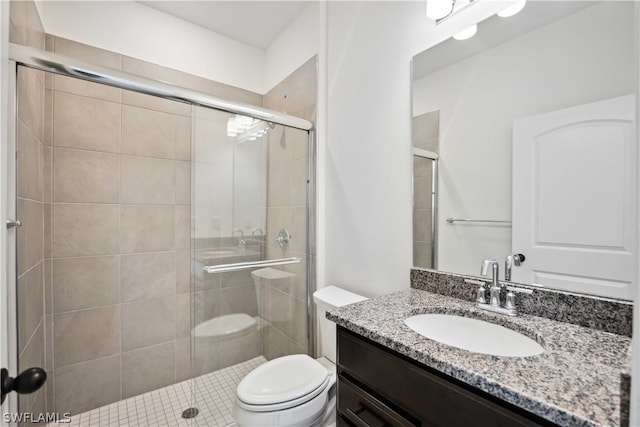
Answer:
x=532 y=122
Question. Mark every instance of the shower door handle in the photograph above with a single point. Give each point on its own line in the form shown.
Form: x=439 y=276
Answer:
x=223 y=268
x=13 y=224
x=28 y=381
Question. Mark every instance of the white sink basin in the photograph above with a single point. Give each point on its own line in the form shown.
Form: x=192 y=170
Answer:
x=473 y=335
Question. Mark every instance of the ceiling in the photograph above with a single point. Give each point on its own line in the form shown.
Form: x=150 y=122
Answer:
x=256 y=23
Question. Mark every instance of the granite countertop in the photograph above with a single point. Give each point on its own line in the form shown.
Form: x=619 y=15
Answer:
x=575 y=382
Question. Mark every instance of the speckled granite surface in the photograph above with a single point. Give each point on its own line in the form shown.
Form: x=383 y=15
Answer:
x=605 y=314
x=575 y=382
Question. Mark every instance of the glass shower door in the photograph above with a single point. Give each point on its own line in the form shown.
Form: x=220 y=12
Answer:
x=249 y=235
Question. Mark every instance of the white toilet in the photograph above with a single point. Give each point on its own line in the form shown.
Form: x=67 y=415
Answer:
x=296 y=390
x=265 y=278
x=237 y=333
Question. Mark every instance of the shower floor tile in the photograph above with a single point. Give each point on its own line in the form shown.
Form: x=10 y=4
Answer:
x=213 y=395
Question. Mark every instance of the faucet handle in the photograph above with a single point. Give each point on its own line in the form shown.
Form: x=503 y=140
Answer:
x=510 y=302
x=481 y=297
x=509 y=262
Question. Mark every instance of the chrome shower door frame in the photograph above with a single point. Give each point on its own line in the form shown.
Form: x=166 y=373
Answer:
x=66 y=66
x=8 y=263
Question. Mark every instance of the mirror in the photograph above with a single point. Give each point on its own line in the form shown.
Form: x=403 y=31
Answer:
x=532 y=125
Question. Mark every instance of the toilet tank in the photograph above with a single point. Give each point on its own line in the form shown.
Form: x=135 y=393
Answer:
x=327 y=299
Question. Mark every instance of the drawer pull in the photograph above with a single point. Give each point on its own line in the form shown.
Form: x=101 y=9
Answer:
x=355 y=417
x=365 y=410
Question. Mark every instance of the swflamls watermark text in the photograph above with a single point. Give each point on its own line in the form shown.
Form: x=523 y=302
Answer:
x=41 y=417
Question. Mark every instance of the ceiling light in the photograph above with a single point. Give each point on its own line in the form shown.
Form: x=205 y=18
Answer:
x=466 y=33
x=513 y=9
x=244 y=128
x=438 y=9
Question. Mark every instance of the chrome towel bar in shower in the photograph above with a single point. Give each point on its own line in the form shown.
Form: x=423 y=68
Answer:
x=491 y=221
x=222 y=268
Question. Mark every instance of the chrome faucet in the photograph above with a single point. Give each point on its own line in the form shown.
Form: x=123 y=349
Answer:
x=509 y=262
x=494 y=292
x=241 y=242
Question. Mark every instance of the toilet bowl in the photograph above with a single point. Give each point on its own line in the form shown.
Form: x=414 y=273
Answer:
x=295 y=390
x=286 y=391
x=236 y=334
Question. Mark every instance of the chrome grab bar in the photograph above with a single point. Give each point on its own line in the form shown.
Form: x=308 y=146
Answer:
x=223 y=268
x=492 y=221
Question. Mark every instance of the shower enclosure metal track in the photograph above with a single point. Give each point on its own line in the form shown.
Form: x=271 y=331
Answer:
x=66 y=66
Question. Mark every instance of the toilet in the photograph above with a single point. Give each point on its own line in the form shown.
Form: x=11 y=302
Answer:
x=237 y=333
x=296 y=390
x=264 y=278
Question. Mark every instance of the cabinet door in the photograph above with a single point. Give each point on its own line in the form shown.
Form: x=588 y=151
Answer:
x=416 y=392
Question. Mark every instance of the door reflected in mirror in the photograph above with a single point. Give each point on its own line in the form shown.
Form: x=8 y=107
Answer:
x=533 y=125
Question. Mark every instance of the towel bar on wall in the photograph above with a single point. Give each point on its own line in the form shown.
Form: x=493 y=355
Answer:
x=491 y=221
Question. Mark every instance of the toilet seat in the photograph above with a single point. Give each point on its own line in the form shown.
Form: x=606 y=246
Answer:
x=282 y=383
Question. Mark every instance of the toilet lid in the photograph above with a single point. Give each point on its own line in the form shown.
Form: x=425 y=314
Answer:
x=283 y=379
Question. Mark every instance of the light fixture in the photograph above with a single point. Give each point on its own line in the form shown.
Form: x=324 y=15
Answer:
x=438 y=9
x=245 y=128
x=466 y=33
x=513 y=9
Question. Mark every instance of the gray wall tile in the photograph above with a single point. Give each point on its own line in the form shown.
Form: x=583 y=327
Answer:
x=99 y=385
x=148 y=133
x=86 y=123
x=84 y=229
x=148 y=322
x=86 y=176
x=148 y=369
x=148 y=181
x=147 y=228
x=84 y=88
x=29 y=164
x=31 y=96
x=86 y=53
x=148 y=275
x=85 y=335
x=30 y=234
x=87 y=282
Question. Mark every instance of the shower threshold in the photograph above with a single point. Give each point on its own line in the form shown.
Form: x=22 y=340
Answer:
x=212 y=394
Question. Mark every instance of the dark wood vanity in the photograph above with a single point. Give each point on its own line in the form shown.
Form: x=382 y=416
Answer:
x=379 y=387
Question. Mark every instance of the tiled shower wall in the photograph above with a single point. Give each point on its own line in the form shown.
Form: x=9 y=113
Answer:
x=285 y=302
x=105 y=199
x=120 y=222
x=426 y=128
x=26 y=29
x=120 y=217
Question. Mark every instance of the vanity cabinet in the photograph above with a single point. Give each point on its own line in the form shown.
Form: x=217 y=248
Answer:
x=379 y=387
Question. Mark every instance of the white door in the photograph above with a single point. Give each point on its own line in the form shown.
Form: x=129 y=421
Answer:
x=573 y=198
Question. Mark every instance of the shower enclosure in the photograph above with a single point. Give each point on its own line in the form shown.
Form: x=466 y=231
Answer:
x=425 y=185
x=425 y=157
x=164 y=234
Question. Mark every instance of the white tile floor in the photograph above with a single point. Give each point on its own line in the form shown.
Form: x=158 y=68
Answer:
x=213 y=394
